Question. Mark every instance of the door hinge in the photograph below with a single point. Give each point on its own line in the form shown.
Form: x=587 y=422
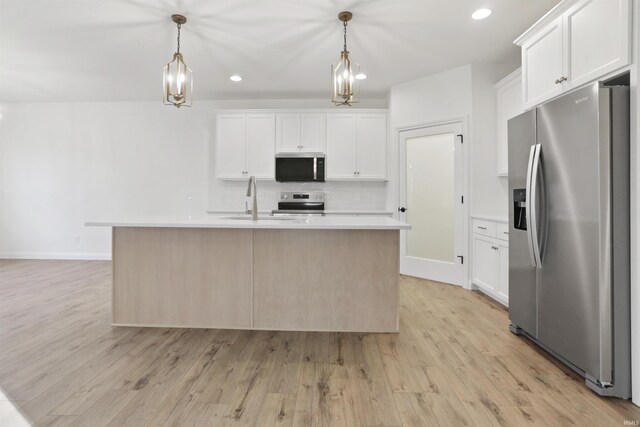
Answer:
x=461 y=259
x=461 y=138
x=461 y=199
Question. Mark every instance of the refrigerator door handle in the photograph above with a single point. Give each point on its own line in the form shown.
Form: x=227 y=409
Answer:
x=605 y=239
x=528 y=206
x=534 y=208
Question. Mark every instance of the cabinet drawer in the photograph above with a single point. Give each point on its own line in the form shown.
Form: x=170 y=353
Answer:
x=486 y=228
x=502 y=231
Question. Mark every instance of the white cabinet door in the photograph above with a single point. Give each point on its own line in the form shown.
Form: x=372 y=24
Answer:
x=371 y=146
x=230 y=146
x=503 y=280
x=596 y=39
x=509 y=105
x=288 y=132
x=341 y=146
x=485 y=262
x=260 y=143
x=542 y=65
x=312 y=132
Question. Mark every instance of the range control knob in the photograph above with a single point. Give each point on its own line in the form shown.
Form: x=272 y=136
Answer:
x=284 y=196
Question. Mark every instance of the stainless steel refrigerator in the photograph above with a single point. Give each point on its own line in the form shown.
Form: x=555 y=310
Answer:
x=569 y=261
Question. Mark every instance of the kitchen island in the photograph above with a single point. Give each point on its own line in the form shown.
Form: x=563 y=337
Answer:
x=301 y=274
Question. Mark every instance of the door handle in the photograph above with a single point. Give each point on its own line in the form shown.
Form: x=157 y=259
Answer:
x=529 y=196
x=402 y=209
x=534 y=208
x=315 y=168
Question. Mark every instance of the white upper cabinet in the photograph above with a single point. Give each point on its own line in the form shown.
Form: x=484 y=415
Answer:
x=300 y=132
x=578 y=42
x=288 y=132
x=341 y=146
x=245 y=146
x=230 y=146
x=508 y=105
x=261 y=145
x=542 y=64
x=597 y=39
x=356 y=146
x=372 y=146
x=355 y=142
x=313 y=129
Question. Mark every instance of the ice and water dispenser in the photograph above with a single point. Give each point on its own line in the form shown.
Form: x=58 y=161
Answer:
x=519 y=208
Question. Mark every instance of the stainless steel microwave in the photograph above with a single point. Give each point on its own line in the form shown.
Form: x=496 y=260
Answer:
x=300 y=167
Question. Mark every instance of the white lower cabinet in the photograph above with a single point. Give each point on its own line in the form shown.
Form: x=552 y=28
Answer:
x=490 y=268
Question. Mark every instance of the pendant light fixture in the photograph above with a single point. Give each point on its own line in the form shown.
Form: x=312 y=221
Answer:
x=346 y=87
x=178 y=79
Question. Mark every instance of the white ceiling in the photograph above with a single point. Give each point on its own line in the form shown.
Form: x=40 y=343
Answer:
x=111 y=50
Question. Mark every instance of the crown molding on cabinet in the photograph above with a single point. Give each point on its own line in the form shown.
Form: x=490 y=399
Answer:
x=554 y=13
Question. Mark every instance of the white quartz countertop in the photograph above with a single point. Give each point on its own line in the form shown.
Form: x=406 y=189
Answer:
x=265 y=221
x=326 y=212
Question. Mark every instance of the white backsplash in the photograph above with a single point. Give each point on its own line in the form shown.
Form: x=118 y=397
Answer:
x=230 y=195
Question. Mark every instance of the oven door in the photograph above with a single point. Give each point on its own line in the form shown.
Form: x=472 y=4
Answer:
x=299 y=169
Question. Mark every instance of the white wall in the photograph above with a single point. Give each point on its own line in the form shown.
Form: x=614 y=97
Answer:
x=62 y=164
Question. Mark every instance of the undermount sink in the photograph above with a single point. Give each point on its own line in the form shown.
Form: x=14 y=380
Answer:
x=260 y=218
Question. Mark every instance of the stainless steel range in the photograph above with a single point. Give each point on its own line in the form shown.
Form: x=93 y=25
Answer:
x=293 y=203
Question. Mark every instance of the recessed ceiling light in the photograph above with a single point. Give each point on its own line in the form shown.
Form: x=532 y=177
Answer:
x=481 y=13
x=235 y=78
x=361 y=76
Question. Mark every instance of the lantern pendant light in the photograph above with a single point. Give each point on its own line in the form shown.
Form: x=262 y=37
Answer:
x=345 y=86
x=177 y=79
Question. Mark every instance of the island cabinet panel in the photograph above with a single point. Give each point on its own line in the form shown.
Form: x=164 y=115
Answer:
x=182 y=277
x=326 y=280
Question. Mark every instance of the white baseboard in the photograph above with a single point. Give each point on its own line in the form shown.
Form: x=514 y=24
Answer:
x=56 y=255
x=490 y=293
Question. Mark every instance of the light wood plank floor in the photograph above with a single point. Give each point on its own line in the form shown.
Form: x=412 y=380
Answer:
x=453 y=363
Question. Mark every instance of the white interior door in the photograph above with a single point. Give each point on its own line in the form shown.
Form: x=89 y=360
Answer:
x=430 y=196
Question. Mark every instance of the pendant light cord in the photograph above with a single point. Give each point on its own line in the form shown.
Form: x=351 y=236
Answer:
x=179 y=38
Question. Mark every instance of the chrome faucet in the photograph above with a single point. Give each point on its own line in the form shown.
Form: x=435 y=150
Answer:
x=253 y=192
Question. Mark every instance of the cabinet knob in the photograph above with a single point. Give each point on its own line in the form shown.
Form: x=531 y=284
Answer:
x=402 y=209
x=561 y=79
